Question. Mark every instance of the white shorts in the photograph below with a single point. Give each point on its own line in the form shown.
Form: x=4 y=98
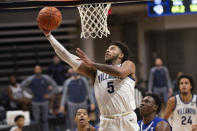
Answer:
x=126 y=123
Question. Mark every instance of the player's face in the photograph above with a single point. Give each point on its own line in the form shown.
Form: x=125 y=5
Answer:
x=82 y=118
x=20 y=122
x=185 y=86
x=112 y=53
x=147 y=106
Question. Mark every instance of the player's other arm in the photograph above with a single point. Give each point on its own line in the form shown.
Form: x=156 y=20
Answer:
x=127 y=68
x=194 y=127
x=69 y=58
x=163 y=126
x=170 y=107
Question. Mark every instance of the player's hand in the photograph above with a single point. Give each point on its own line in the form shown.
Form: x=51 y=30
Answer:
x=194 y=127
x=84 y=58
x=46 y=32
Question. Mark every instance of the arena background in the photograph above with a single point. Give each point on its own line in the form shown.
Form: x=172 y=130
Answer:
x=173 y=38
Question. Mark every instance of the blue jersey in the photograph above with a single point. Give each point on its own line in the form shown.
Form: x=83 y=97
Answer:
x=151 y=126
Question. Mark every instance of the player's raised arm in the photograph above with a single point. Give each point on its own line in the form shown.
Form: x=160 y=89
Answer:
x=127 y=67
x=169 y=108
x=69 y=58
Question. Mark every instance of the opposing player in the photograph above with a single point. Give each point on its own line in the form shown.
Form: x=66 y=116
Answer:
x=113 y=83
x=149 y=108
x=183 y=107
x=82 y=121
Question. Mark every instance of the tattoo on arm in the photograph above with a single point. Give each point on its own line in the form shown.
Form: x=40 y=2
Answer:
x=109 y=69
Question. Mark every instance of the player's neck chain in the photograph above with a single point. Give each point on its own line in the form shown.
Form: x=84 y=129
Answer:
x=147 y=127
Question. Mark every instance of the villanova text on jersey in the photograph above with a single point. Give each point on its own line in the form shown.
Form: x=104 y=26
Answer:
x=104 y=76
x=186 y=110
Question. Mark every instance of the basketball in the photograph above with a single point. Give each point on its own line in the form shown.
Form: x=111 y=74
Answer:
x=49 y=18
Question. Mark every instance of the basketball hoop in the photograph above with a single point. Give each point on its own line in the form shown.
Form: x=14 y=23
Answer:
x=94 y=20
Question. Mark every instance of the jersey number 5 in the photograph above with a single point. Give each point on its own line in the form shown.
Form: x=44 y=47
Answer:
x=110 y=87
x=186 y=120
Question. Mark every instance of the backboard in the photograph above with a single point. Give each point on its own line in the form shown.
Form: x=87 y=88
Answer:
x=93 y=13
x=26 y=4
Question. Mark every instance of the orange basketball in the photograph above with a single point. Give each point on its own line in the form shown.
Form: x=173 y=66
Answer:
x=49 y=18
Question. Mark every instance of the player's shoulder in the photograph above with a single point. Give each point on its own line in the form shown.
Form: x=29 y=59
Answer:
x=128 y=62
x=172 y=99
x=172 y=102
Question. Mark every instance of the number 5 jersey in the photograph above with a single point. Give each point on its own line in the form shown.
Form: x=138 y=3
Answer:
x=184 y=114
x=114 y=95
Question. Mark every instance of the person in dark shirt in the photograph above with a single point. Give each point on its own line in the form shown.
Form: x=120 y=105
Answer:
x=38 y=84
x=58 y=71
x=75 y=94
x=159 y=80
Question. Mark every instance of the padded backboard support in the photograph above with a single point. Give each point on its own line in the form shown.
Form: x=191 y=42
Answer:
x=25 y=4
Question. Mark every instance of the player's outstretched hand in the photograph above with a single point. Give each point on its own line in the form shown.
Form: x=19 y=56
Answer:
x=46 y=32
x=83 y=57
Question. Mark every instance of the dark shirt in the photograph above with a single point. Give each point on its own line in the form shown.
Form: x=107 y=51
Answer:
x=159 y=78
x=39 y=86
x=77 y=91
x=57 y=72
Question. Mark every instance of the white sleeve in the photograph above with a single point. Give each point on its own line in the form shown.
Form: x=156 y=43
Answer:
x=63 y=53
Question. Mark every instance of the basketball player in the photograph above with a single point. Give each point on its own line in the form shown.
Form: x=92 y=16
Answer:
x=149 y=108
x=82 y=120
x=183 y=107
x=113 y=83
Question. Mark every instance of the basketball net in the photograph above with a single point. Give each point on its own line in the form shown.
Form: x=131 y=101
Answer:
x=94 y=20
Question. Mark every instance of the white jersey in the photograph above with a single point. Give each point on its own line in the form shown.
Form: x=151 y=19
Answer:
x=17 y=92
x=13 y=128
x=184 y=114
x=114 y=95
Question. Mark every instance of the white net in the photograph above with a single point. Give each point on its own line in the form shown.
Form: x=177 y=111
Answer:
x=94 y=20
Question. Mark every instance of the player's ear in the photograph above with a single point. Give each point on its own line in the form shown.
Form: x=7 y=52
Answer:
x=155 y=107
x=121 y=55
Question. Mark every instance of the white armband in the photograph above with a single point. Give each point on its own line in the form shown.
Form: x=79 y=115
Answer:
x=63 y=53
